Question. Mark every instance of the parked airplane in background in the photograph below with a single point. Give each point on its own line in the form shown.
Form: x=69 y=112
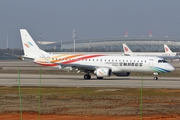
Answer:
x=101 y=65
x=168 y=54
x=168 y=51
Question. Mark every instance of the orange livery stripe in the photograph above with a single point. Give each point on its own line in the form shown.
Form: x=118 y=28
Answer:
x=83 y=57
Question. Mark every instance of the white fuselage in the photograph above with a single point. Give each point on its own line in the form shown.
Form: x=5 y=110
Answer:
x=115 y=63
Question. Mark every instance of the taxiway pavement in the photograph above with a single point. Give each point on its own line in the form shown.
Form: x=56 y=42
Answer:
x=78 y=81
x=29 y=65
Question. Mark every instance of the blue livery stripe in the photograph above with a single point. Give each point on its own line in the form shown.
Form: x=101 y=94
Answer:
x=160 y=70
x=30 y=44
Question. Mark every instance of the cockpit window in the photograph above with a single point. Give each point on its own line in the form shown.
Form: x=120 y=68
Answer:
x=159 y=61
x=162 y=61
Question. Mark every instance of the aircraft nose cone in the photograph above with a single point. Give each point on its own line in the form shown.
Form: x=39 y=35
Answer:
x=171 y=68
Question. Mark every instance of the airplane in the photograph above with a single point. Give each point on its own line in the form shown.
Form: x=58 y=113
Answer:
x=168 y=54
x=101 y=65
x=168 y=50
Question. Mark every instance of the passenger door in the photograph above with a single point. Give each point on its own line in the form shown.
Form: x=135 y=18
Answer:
x=151 y=62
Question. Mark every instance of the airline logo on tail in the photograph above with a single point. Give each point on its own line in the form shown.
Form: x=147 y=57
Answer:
x=166 y=49
x=126 y=49
x=28 y=44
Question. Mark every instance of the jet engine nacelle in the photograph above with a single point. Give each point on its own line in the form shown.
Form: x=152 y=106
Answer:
x=122 y=74
x=103 y=72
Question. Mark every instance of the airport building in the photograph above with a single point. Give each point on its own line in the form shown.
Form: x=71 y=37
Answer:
x=113 y=44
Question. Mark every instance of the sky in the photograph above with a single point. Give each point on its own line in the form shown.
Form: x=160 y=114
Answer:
x=56 y=19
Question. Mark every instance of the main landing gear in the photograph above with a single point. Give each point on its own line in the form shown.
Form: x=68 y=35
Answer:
x=87 y=76
x=155 y=76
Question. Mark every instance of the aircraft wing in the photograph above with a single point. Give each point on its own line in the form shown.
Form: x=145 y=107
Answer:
x=169 y=57
x=80 y=67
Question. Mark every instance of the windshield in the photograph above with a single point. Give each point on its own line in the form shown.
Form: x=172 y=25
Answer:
x=162 y=61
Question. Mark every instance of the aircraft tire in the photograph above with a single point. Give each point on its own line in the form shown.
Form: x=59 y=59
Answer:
x=87 y=76
x=155 y=78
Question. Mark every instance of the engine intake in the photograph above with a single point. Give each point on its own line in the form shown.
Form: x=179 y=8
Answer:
x=103 y=72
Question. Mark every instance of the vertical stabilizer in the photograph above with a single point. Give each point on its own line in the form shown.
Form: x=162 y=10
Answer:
x=150 y=33
x=167 y=49
x=126 y=49
x=30 y=48
x=126 y=34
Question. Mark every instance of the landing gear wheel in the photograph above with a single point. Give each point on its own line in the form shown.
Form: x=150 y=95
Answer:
x=155 y=78
x=87 y=76
x=99 y=77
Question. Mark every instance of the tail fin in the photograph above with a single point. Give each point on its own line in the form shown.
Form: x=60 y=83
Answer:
x=126 y=49
x=30 y=48
x=167 y=49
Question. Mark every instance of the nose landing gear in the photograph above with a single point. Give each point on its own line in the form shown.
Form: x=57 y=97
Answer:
x=156 y=76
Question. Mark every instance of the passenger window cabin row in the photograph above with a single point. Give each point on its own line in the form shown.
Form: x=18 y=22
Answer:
x=105 y=60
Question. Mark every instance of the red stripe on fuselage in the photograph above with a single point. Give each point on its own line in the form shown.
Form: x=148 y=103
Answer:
x=84 y=57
